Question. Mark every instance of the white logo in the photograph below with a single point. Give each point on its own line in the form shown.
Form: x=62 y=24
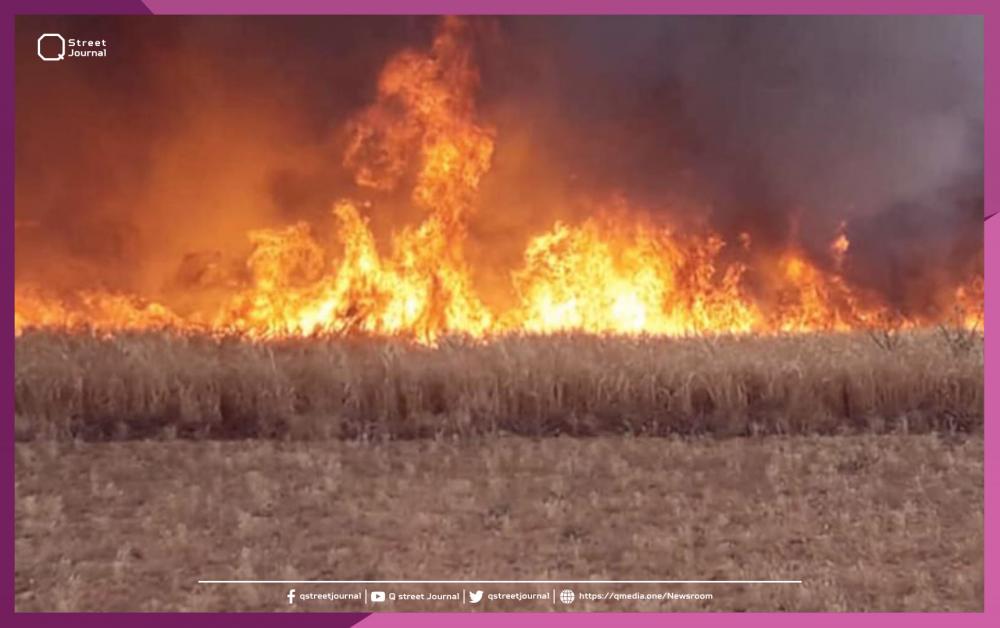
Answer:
x=291 y=596
x=475 y=597
x=378 y=596
x=62 y=47
x=566 y=596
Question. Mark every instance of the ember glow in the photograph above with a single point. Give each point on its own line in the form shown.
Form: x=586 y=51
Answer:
x=618 y=272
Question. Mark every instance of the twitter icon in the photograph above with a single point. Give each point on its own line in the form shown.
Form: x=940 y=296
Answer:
x=475 y=597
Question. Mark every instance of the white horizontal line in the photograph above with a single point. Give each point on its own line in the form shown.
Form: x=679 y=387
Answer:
x=499 y=582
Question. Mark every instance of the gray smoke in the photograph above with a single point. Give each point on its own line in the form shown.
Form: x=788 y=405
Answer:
x=782 y=127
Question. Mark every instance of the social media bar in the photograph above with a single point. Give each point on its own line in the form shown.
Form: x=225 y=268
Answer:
x=499 y=598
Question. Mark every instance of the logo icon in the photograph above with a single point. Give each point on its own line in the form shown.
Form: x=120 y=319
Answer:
x=475 y=597
x=566 y=596
x=291 y=596
x=378 y=596
x=51 y=47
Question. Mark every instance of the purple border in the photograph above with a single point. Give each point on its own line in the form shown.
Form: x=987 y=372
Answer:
x=988 y=9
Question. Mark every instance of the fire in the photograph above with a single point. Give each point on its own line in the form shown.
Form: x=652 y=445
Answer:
x=35 y=308
x=426 y=105
x=419 y=290
x=809 y=299
x=839 y=246
x=622 y=278
x=616 y=273
x=969 y=304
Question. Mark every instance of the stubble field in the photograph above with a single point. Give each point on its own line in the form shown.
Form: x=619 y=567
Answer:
x=851 y=462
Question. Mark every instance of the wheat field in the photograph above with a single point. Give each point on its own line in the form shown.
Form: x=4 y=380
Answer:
x=148 y=461
x=151 y=385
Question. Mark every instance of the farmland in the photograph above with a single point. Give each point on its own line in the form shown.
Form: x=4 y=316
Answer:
x=886 y=522
x=150 y=385
x=695 y=302
x=852 y=462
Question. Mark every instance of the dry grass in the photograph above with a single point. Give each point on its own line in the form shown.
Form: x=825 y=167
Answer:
x=867 y=522
x=156 y=385
x=378 y=459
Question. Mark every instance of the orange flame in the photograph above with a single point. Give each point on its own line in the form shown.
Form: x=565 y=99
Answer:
x=839 y=246
x=425 y=105
x=614 y=274
x=628 y=279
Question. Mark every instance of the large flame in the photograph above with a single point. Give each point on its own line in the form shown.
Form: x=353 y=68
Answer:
x=615 y=273
x=421 y=289
x=628 y=278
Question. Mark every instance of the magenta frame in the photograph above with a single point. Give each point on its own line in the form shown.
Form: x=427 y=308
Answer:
x=991 y=24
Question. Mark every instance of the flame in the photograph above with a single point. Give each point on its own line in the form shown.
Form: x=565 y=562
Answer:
x=425 y=106
x=420 y=290
x=107 y=310
x=615 y=273
x=810 y=299
x=623 y=278
x=839 y=246
x=968 y=308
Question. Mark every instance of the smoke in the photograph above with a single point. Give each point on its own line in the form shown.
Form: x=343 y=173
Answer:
x=195 y=130
x=133 y=169
x=781 y=127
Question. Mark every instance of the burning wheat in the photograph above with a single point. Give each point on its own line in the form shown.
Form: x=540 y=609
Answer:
x=614 y=273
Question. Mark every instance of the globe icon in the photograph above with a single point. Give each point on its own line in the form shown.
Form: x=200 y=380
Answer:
x=566 y=596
